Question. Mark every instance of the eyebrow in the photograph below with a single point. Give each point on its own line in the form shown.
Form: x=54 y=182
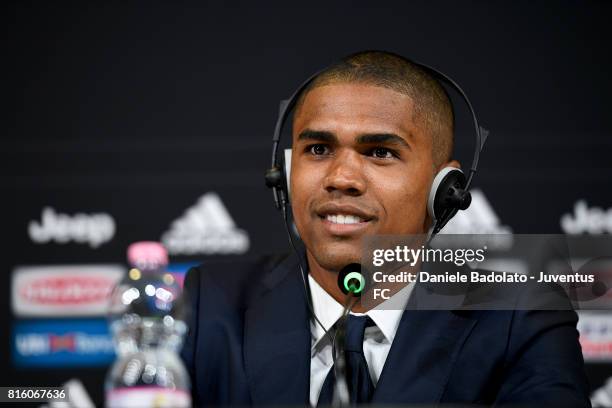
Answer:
x=368 y=138
x=317 y=136
x=383 y=138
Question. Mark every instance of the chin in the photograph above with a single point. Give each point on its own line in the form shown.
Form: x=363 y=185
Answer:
x=336 y=256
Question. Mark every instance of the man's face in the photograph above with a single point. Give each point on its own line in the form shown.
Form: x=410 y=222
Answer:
x=360 y=166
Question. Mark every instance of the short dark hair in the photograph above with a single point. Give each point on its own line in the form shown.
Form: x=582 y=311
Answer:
x=432 y=104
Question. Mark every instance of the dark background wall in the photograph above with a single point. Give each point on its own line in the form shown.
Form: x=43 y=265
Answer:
x=137 y=109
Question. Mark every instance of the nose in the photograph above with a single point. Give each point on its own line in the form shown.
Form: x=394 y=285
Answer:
x=345 y=174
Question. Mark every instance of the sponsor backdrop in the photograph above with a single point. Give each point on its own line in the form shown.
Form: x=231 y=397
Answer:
x=133 y=122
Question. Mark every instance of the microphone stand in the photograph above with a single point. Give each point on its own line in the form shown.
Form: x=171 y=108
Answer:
x=341 y=395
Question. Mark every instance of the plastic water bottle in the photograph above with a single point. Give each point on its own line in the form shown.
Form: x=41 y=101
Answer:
x=146 y=318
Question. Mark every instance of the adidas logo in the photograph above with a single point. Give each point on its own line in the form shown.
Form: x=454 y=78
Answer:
x=206 y=228
x=602 y=396
x=594 y=220
x=94 y=229
x=479 y=218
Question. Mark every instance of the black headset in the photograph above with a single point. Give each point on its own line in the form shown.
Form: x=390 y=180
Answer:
x=450 y=188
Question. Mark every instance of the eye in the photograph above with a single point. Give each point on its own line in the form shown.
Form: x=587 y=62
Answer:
x=382 y=153
x=318 y=149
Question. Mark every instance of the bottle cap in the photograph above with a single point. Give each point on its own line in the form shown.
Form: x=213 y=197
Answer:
x=147 y=254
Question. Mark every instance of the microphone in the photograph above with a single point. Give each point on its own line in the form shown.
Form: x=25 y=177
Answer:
x=351 y=282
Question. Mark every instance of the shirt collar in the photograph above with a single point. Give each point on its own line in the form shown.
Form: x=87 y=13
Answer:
x=386 y=316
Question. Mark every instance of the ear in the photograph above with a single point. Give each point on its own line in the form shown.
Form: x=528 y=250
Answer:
x=452 y=163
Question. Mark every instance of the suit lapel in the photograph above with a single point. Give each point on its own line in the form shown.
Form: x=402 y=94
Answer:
x=423 y=353
x=277 y=341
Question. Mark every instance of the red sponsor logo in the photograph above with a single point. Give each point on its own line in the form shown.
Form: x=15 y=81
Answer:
x=67 y=290
x=594 y=349
x=65 y=342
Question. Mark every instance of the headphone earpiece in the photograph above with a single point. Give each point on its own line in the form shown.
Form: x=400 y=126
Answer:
x=273 y=177
x=287 y=174
x=447 y=192
x=277 y=178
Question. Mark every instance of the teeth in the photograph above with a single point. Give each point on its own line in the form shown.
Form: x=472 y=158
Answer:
x=343 y=219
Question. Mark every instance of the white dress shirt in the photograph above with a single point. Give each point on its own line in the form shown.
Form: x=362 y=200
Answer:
x=376 y=342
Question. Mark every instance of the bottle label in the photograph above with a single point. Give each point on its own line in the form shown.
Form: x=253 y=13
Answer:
x=154 y=397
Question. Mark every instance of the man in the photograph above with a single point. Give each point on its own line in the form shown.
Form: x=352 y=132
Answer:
x=369 y=135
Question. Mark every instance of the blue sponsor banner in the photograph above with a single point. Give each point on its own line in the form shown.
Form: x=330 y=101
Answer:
x=62 y=343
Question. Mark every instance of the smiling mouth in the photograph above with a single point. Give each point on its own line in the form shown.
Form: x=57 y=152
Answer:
x=343 y=219
x=344 y=225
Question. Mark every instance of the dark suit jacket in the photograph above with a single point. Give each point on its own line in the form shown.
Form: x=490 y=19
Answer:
x=249 y=344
